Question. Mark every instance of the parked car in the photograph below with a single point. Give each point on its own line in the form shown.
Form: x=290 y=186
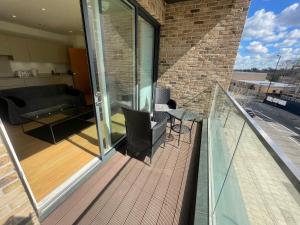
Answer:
x=250 y=112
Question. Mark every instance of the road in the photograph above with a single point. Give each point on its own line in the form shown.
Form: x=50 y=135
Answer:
x=282 y=127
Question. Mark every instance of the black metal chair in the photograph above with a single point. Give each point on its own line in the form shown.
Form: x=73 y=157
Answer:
x=141 y=136
x=163 y=96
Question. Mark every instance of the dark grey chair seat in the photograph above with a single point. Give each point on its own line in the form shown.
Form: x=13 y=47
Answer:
x=141 y=137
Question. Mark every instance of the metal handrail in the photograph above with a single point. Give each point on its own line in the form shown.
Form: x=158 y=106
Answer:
x=191 y=100
x=280 y=157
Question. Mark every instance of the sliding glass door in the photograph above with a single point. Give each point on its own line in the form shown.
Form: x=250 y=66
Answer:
x=118 y=31
x=121 y=42
x=145 y=55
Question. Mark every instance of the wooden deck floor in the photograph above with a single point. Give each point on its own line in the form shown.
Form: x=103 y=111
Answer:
x=143 y=194
x=127 y=190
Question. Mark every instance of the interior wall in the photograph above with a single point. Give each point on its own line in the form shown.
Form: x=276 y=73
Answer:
x=198 y=46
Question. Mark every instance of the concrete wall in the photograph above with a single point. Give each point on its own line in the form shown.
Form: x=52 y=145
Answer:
x=198 y=46
x=15 y=207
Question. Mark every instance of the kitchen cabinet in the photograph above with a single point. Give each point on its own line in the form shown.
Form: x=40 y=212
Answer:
x=4 y=46
x=47 y=51
x=25 y=49
x=19 y=48
x=38 y=50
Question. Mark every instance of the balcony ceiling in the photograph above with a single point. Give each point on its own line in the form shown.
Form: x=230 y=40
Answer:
x=174 y=1
x=51 y=15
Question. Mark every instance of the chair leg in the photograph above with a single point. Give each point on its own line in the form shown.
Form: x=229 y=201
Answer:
x=151 y=154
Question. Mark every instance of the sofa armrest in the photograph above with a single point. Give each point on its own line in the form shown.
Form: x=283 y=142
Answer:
x=9 y=111
x=72 y=91
x=76 y=93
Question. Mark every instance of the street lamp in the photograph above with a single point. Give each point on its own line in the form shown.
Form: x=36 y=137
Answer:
x=279 y=57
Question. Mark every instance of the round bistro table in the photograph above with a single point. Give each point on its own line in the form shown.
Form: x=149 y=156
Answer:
x=184 y=115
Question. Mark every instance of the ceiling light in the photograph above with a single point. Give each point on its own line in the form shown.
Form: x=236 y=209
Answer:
x=43 y=9
x=14 y=16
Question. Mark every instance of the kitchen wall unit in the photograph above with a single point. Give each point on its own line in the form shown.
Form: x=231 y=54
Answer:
x=7 y=83
x=4 y=47
x=19 y=48
x=27 y=49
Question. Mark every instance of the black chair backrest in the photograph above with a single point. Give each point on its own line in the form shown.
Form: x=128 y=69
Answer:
x=138 y=128
x=162 y=95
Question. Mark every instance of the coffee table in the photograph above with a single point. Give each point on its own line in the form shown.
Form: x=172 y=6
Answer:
x=58 y=122
x=184 y=115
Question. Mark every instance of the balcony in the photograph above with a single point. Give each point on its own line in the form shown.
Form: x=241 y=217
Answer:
x=231 y=173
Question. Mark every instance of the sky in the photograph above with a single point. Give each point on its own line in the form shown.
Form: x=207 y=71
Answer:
x=272 y=28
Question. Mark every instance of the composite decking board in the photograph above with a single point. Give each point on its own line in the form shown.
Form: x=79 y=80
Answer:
x=91 y=194
x=168 y=211
x=147 y=193
x=125 y=207
x=157 y=201
x=107 y=211
x=64 y=214
x=157 y=195
x=139 y=193
x=128 y=202
x=180 y=207
x=164 y=157
x=151 y=195
x=101 y=201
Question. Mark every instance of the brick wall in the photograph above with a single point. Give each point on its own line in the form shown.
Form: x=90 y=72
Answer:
x=198 y=46
x=15 y=207
x=155 y=7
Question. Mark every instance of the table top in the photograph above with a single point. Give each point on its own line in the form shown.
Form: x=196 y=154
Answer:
x=56 y=113
x=185 y=114
x=161 y=108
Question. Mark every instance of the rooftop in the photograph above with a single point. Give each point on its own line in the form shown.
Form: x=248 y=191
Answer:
x=266 y=83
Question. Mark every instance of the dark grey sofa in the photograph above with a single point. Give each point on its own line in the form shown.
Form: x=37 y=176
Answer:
x=16 y=101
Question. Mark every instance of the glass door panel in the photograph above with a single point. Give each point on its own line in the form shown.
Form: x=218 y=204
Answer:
x=118 y=30
x=145 y=53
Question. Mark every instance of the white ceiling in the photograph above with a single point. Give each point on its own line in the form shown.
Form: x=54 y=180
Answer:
x=60 y=16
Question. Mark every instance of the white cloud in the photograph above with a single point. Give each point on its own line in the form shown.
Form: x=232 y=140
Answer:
x=286 y=43
x=255 y=61
x=268 y=26
x=267 y=30
x=290 y=16
x=256 y=46
x=261 y=25
x=294 y=34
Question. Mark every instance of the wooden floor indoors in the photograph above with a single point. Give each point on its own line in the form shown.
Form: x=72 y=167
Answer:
x=137 y=193
x=46 y=165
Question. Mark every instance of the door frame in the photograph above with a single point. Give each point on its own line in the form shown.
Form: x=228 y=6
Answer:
x=138 y=11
